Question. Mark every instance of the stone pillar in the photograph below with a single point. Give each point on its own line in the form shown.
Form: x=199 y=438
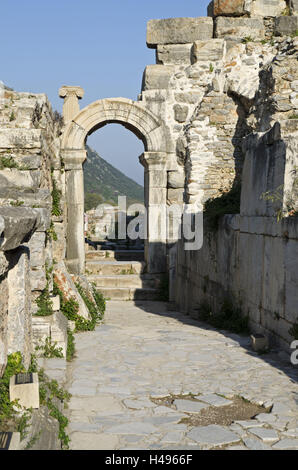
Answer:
x=71 y=95
x=155 y=182
x=75 y=243
x=19 y=321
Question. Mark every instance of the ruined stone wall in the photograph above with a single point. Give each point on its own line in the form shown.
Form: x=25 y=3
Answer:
x=207 y=83
x=31 y=177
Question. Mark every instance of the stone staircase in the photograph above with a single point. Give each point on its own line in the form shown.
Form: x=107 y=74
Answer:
x=120 y=275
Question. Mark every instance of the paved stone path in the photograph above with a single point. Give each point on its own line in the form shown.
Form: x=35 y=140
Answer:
x=143 y=352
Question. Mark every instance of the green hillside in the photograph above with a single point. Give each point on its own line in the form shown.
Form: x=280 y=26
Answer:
x=104 y=183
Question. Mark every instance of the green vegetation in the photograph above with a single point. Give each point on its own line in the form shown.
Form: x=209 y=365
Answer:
x=104 y=183
x=70 y=352
x=227 y=203
x=12 y=116
x=229 y=318
x=96 y=309
x=16 y=203
x=277 y=197
x=70 y=308
x=211 y=68
x=50 y=349
x=247 y=39
x=295 y=34
x=9 y=418
x=51 y=233
x=293 y=116
x=56 y=199
x=286 y=11
x=294 y=331
x=44 y=303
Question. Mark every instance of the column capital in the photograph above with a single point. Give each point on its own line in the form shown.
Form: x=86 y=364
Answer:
x=153 y=160
x=71 y=95
x=71 y=90
x=73 y=159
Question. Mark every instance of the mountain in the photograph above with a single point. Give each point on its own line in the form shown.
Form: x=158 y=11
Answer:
x=104 y=183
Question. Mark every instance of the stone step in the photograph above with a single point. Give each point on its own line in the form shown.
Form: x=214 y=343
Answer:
x=100 y=255
x=126 y=293
x=119 y=255
x=126 y=280
x=107 y=268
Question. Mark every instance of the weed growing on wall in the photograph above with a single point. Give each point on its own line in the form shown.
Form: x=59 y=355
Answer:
x=70 y=351
x=44 y=302
x=229 y=317
x=10 y=419
x=56 y=199
x=50 y=349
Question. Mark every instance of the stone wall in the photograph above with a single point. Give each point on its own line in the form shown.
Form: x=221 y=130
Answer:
x=226 y=88
x=251 y=257
x=31 y=180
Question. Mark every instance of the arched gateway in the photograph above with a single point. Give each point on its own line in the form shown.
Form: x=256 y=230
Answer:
x=147 y=127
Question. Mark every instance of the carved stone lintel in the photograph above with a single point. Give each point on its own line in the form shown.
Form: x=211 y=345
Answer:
x=71 y=95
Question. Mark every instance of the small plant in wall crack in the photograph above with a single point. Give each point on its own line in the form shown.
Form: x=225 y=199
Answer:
x=50 y=349
x=56 y=199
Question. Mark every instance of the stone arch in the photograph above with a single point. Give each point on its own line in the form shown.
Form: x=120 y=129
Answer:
x=147 y=127
x=130 y=114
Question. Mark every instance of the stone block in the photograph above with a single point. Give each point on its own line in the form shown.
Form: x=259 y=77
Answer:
x=173 y=54
x=267 y=7
x=37 y=249
x=56 y=303
x=176 y=179
x=189 y=97
x=14 y=178
x=239 y=28
x=157 y=77
x=291 y=280
x=20 y=138
x=19 y=225
x=53 y=327
x=175 y=196
x=19 y=323
x=285 y=25
x=263 y=170
x=38 y=278
x=259 y=342
x=210 y=51
x=178 y=30
x=180 y=112
x=41 y=197
x=227 y=8
x=41 y=330
x=26 y=393
x=31 y=162
x=213 y=435
x=10 y=440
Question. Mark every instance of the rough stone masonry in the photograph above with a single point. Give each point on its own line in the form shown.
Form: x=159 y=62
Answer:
x=218 y=110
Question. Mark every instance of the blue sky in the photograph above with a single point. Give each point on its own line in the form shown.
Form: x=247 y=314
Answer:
x=99 y=45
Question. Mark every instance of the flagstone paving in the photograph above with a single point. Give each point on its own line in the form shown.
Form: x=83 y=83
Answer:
x=125 y=370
